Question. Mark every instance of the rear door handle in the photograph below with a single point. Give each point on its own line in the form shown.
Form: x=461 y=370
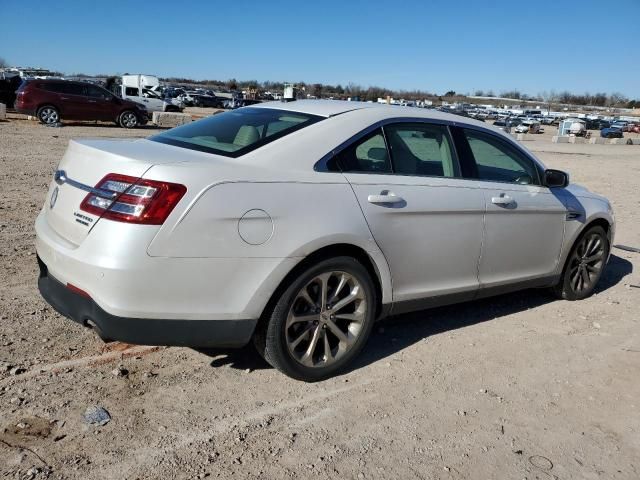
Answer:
x=502 y=200
x=385 y=198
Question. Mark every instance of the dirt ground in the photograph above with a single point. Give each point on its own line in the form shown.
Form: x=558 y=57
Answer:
x=519 y=386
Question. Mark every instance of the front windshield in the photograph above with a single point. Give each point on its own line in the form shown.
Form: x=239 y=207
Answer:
x=237 y=132
x=151 y=93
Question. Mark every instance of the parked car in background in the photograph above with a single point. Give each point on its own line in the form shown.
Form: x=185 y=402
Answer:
x=146 y=90
x=621 y=124
x=596 y=124
x=502 y=125
x=507 y=124
x=285 y=223
x=188 y=97
x=635 y=128
x=611 y=132
x=207 y=101
x=52 y=101
x=547 y=120
x=528 y=126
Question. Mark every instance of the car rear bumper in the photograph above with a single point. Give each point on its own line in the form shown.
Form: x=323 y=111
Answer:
x=144 y=331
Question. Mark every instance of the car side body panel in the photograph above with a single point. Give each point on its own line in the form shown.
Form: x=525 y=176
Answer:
x=432 y=211
x=583 y=208
x=269 y=219
x=245 y=223
x=522 y=239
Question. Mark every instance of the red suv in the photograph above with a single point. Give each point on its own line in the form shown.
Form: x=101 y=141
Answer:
x=54 y=100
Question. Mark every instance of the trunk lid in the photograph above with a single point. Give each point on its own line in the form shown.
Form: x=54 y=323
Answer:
x=86 y=162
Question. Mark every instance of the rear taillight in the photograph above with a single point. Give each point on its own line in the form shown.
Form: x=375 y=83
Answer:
x=142 y=201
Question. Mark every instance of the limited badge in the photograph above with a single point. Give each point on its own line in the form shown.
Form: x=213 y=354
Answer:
x=54 y=197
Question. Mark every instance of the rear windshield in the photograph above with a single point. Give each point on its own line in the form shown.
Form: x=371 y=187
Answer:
x=237 y=132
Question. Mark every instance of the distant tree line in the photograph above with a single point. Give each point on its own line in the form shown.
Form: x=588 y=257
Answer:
x=600 y=99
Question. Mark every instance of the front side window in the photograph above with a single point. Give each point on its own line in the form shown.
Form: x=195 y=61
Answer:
x=497 y=161
x=131 y=92
x=420 y=149
x=367 y=155
x=96 y=92
x=237 y=132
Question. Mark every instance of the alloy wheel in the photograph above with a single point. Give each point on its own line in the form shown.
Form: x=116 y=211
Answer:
x=129 y=119
x=49 y=115
x=586 y=263
x=325 y=319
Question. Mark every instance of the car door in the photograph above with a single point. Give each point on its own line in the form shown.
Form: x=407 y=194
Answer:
x=73 y=103
x=152 y=101
x=133 y=94
x=101 y=104
x=424 y=217
x=524 y=222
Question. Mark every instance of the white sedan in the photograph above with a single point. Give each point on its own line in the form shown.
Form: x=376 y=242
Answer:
x=298 y=224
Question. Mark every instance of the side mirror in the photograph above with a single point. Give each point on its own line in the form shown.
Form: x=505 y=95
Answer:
x=556 y=178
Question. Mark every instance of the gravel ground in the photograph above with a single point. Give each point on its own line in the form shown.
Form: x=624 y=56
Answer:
x=519 y=386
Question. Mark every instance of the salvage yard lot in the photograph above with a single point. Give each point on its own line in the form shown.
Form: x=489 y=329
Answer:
x=517 y=386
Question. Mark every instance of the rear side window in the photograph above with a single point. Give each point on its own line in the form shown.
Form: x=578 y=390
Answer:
x=63 y=87
x=73 y=89
x=423 y=150
x=497 y=161
x=235 y=133
x=131 y=92
x=367 y=155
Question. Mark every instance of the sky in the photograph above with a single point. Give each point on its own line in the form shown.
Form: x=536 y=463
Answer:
x=437 y=45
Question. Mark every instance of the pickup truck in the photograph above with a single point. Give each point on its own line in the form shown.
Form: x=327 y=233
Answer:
x=144 y=89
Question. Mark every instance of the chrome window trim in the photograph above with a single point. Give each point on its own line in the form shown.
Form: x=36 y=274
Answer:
x=513 y=143
x=456 y=161
x=321 y=165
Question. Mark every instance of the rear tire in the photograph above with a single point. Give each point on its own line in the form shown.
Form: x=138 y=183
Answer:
x=584 y=265
x=320 y=322
x=128 y=119
x=48 y=115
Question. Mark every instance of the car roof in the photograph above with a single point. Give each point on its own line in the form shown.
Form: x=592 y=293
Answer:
x=363 y=110
x=322 y=108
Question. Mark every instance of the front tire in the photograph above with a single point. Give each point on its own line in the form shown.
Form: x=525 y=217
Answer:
x=128 y=119
x=321 y=321
x=48 y=115
x=584 y=265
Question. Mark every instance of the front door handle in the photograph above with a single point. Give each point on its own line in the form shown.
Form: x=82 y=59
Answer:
x=502 y=200
x=385 y=198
